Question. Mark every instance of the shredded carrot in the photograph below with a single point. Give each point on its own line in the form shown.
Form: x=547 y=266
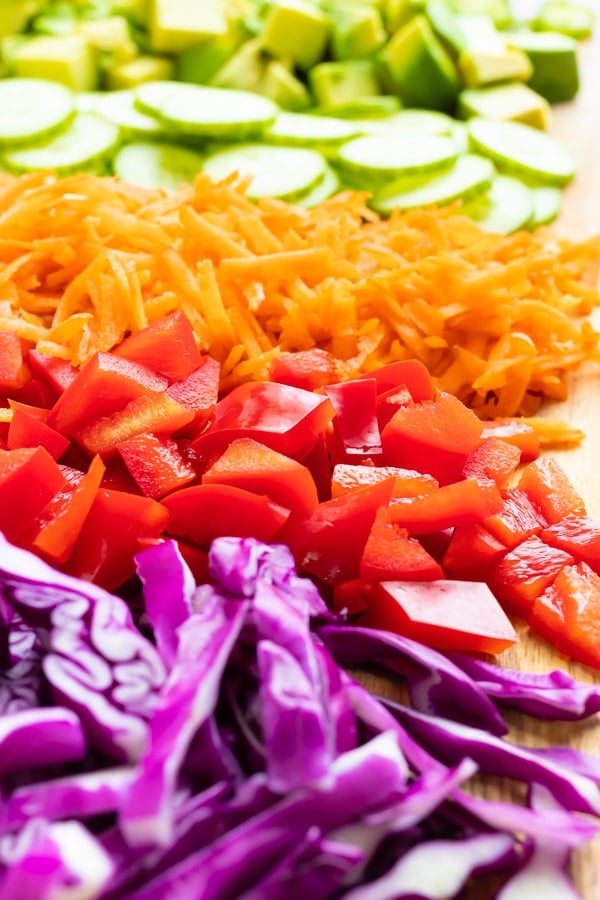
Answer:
x=499 y=321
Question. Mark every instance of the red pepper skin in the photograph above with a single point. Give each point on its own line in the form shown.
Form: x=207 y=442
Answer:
x=14 y=372
x=57 y=373
x=472 y=553
x=167 y=347
x=409 y=373
x=28 y=429
x=550 y=489
x=447 y=615
x=390 y=402
x=200 y=390
x=103 y=386
x=155 y=464
x=328 y=543
x=459 y=503
x=578 y=535
x=350 y=597
x=436 y=436
x=116 y=528
x=407 y=482
x=518 y=519
x=355 y=421
x=29 y=478
x=391 y=554
x=306 y=369
x=250 y=465
x=493 y=459
x=525 y=572
x=284 y=418
x=203 y=512
x=520 y=434
x=567 y=614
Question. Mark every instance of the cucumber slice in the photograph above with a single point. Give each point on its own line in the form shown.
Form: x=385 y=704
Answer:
x=377 y=107
x=468 y=176
x=382 y=156
x=326 y=188
x=119 y=107
x=506 y=207
x=299 y=129
x=522 y=150
x=547 y=202
x=156 y=165
x=288 y=173
x=217 y=112
x=410 y=120
x=150 y=96
x=84 y=144
x=31 y=109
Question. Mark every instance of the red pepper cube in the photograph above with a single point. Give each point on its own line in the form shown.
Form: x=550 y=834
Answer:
x=167 y=347
x=578 y=535
x=29 y=478
x=458 y=503
x=525 y=572
x=350 y=597
x=200 y=390
x=407 y=482
x=550 y=489
x=391 y=554
x=355 y=421
x=14 y=372
x=435 y=436
x=404 y=373
x=493 y=459
x=472 y=553
x=29 y=429
x=513 y=431
x=446 y=615
x=57 y=373
x=155 y=464
x=103 y=386
x=306 y=369
x=518 y=519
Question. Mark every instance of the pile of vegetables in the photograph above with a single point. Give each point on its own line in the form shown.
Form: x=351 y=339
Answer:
x=210 y=745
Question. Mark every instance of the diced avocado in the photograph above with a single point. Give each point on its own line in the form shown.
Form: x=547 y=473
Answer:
x=110 y=38
x=515 y=102
x=554 y=60
x=357 y=31
x=572 y=19
x=136 y=11
x=480 y=34
x=200 y=63
x=55 y=19
x=176 y=25
x=365 y=108
x=418 y=68
x=479 y=68
x=138 y=71
x=446 y=25
x=498 y=11
x=244 y=70
x=69 y=59
x=398 y=12
x=296 y=30
x=282 y=86
x=336 y=83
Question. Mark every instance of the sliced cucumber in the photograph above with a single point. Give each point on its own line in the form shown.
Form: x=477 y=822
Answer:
x=86 y=143
x=216 y=112
x=119 y=107
x=157 y=165
x=468 y=176
x=32 y=108
x=506 y=207
x=546 y=205
x=425 y=121
x=150 y=96
x=299 y=129
x=382 y=156
x=326 y=188
x=522 y=150
x=288 y=173
x=377 y=107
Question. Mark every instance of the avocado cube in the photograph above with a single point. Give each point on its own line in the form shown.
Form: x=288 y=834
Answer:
x=200 y=63
x=446 y=25
x=337 y=83
x=417 y=67
x=515 y=102
x=135 y=11
x=282 y=86
x=497 y=11
x=144 y=68
x=298 y=31
x=357 y=31
x=554 y=60
x=244 y=70
x=69 y=59
x=398 y=12
x=575 y=20
x=176 y=25
x=479 y=68
x=15 y=15
x=110 y=38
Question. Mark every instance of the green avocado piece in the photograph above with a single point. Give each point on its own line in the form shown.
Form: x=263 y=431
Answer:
x=296 y=30
x=200 y=63
x=479 y=68
x=336 y=83
x=398 y=12
x=282 y=86
x=135 y=11
x=357 y=31
x=69 y=59
x=515 y=102
x=110 y=38
x=553 y=57
x=573 y=19
x=244 y=70
x=138 y=71
x=418 y=68
x=446 y=25
x=499 y=12
x=176 y=25
x=16 y=14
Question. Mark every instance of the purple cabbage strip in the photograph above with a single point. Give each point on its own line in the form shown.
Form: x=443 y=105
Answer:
x=22 y=681
x=168 y=585
x=40 y=738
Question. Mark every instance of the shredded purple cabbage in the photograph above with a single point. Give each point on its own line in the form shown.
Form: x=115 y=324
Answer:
x=216 y=749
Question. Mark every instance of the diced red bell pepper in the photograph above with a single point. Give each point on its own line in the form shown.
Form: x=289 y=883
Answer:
x=518 y=519
x=578 y=535
x=355 y=419
x=155 y=464
x=550 y=489
x=520 y=434
x=525 y=572
x=203 y=512
x=60 y=523
x=391 y=554
x=306 y=369
x=407 y=482
x=319 y=465
x=390 y=402
x=409 y=373
x=247 y=464
x=167 y=347
x=567 y=614
x=493 y=459
x=57 y=373
x=29 y=429
x=447 y=615
x=104 y=385
x=29 y=478
x=435 y=436
x=156 y=413
x=200 y=390
x=328 y=543
x=350 y=597
x=458 y=503
x=116 y=528
x=197 y=560
x=472 y=553
x=285 y=418
x=14 y=372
